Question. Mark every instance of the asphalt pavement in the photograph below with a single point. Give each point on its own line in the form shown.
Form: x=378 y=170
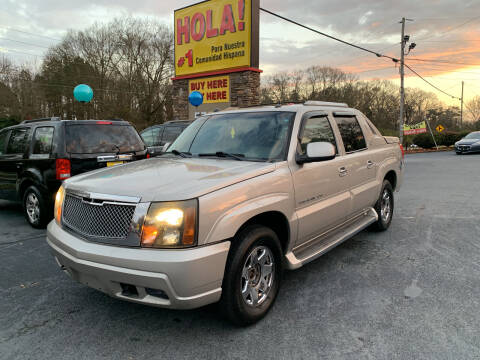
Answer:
x=409 y=293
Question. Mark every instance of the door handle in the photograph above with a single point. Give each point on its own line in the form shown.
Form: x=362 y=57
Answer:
x=342 y=171
x=370 y=164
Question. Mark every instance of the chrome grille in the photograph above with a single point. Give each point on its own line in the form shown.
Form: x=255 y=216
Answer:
x=464 y=147
x=96 y=218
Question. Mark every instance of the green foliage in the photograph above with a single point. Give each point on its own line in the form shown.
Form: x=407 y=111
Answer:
x=425 y=141
x=448 y=138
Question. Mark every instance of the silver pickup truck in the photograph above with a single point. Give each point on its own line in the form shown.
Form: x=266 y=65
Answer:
x=240 y=196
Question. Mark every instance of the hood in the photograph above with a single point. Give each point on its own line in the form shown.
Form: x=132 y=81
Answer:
x=168 y=179
x=467 y=141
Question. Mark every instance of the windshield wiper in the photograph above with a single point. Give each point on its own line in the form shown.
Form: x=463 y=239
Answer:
x=183 y=154
x=239 y=157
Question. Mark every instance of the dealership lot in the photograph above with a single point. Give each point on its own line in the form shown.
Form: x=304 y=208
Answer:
x=411 y=292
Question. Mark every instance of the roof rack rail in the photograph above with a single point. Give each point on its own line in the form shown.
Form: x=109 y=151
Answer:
x=176 y=121
x=41 y=119
x=324 y=103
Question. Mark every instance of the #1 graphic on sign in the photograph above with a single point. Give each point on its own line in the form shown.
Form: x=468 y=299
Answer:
x=213 y=35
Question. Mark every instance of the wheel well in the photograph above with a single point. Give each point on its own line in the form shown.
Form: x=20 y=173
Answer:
x=392 y=178
x=23 y=186
x=274 y=220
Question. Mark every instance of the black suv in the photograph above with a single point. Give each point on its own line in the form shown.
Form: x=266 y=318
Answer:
x=37 y=155
x=157 y=136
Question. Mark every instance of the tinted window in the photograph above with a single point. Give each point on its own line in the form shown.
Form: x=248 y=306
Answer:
x=147 y=137
x=3 y=141
x=42 y=140
x=94 y=139
x=157 y=135
x=351 y=132
x=316 y=129
x=474 y=135
x=256 y=135
x=171 y=133
x=18 y=141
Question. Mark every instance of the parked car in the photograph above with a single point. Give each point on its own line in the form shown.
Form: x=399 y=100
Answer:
x=157 y=136
x=37 y=155
x=469 y=144
x=243 y=195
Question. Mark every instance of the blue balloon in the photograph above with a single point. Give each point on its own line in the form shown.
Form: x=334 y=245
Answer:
x=83 y=93
x=195 y=98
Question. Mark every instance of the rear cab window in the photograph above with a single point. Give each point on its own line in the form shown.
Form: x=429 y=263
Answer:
x=107 y=137
x=351 y=132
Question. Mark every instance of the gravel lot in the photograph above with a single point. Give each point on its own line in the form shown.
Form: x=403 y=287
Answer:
x=409 y=293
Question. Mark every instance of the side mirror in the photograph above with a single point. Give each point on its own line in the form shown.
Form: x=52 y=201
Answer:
x=165 y=147
x=317 y=151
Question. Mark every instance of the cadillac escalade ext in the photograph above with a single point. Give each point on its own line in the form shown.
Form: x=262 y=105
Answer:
x=239 y=196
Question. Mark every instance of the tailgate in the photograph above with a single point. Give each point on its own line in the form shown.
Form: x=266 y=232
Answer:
x=83 y=163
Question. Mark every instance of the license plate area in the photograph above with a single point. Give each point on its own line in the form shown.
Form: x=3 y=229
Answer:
x=114 y=163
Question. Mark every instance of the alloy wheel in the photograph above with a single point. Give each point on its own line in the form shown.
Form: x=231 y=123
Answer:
x=257 y=276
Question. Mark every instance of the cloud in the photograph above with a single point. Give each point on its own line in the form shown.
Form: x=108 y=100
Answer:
x=442 y=29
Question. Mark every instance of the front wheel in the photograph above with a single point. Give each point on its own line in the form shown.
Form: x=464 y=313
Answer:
x=252 y=276
x=384 y=207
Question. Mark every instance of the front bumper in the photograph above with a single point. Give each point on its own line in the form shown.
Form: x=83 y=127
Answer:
x=465 y=149
x=177 y=279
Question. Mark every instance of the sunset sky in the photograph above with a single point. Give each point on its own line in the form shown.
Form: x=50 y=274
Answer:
x=447 y=34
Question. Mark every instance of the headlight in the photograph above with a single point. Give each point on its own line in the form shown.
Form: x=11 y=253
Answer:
x=59 y=204
x=170 y=225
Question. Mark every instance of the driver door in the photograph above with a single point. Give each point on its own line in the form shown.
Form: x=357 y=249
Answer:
x=322 y=195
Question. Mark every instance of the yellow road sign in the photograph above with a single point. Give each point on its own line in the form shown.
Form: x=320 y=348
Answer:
x=439 y=128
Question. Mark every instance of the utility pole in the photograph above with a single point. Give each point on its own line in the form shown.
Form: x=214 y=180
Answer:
x=402 y=75
x=403 y=41
x=461 y=109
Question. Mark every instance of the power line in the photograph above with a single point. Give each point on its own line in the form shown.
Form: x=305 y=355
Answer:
x=441 y=61
x=326 y=35
x=363 y=48
x=25 y=43
x=454 y=28
x=429 y=83
x=29 y=33
x=18 y=52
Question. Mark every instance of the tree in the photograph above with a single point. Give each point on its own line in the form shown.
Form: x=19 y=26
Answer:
x=473 y=109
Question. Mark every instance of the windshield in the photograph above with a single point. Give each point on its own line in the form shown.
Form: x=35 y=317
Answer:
x=253 y=136
x=96 y=139
x=474 y=135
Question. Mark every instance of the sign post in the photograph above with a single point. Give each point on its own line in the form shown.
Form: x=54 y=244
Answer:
x=216 y=54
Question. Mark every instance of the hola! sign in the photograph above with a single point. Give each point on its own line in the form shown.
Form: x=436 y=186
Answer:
x=414 y=129
x=216 y=35
x=213 y=89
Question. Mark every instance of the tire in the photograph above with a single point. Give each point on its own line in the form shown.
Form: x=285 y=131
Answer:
x=384 y=221
x=241 y=307
x=458 y=152
x=35 y=208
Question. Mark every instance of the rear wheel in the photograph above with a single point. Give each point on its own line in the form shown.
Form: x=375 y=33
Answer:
x=35 y=208
x=252 y=275
x=384 y=208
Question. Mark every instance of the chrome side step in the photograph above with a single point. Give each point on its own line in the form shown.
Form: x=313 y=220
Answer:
x=304 y=254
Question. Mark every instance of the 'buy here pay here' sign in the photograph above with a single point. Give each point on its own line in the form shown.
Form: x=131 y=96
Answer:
x=214 y=89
